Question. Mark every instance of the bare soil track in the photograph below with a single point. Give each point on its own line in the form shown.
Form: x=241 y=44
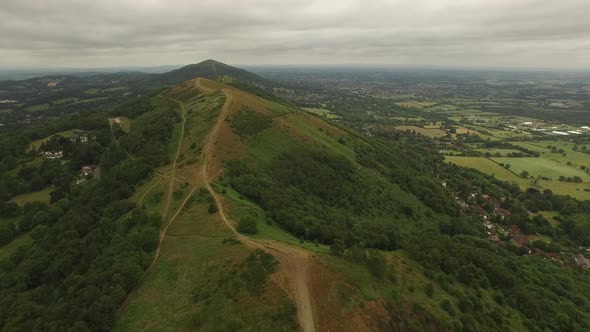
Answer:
x=167 y=206
x=294 y=262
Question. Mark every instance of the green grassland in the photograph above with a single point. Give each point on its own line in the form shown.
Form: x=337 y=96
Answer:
x=66 y=100
x=37 y=108
x=432 y=132
x=9 y=248
x=67 y=134
x=190 y=286
x=415 y=104
x=502 y=152
x=200 y=268
x=92 y=91
x=575 y=157
x=580 y=191
x=201 y=114
x=441 y=108
x=544 y=167
x=486 y=165
x=36 y=196
x=576 y=190
x=322 y=112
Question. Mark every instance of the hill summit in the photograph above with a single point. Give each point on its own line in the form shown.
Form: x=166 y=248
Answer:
x=210 y=69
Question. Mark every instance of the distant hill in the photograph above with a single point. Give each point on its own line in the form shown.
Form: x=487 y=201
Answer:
x=210 y=69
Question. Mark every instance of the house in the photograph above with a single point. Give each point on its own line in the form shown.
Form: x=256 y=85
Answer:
x=86 y=170
x=53 y=154
x=559 y=133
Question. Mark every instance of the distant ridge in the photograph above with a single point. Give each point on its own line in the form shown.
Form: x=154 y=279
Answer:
x=210 y=69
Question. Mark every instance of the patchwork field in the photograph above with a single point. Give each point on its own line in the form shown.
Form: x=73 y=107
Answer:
x=423 y=131
x=67 y=134
x=415 y=104
x=577 y=190
x=487 y=166
x=543 y=167
x=322 y=112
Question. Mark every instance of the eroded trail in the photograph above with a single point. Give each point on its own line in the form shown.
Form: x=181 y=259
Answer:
x=294 y=262
x=173 y=169
x=167 y=206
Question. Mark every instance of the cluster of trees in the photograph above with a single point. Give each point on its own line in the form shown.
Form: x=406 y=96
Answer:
x=359 y=109
x=151 y=130
x=413 y=172
x=548 y=296
x=320 y=196
x=91 y=246
x=248 y=122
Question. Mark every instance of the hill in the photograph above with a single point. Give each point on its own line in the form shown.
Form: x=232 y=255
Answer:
x=354 y=226
x=216 y=209
x=210 y=69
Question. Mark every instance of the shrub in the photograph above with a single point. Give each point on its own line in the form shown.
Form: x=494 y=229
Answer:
x=248 y=225
x=212 y=208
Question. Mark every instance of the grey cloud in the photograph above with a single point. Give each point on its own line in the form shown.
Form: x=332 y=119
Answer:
x=66 y=33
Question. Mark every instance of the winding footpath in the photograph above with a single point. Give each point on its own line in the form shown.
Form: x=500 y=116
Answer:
x=294 y=262
x=167 y=206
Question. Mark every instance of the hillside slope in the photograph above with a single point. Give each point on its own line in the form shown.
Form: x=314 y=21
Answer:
x=217 y=209
x=210 y=69
x=251 y=148
x=367 y=217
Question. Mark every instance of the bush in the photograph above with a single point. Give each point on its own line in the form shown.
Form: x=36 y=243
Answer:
x=337 y=248
x=429 y=290
x=212 y=208
x=248 y=225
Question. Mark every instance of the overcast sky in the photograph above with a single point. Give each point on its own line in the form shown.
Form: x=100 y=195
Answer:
x=109 y=33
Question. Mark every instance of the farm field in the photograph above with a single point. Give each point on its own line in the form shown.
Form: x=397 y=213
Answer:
x=542 y=167
x=485 y=165
x=423 y=131
x=580 y=191
x=67 y=134
x=488 y=166
x=415 y=103
x=37 y=108
x=577 y=158
x=502 y=152
x=322 y=112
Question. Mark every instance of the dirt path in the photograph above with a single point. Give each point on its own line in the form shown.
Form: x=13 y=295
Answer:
x=173 y=169
x=294 y=262
x=142 y=198
x=165 y=229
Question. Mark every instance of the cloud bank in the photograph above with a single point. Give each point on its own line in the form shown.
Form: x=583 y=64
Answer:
x=108 y=33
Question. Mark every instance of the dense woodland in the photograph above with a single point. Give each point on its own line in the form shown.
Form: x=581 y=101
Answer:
x=90 y=246
x=394 y=203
